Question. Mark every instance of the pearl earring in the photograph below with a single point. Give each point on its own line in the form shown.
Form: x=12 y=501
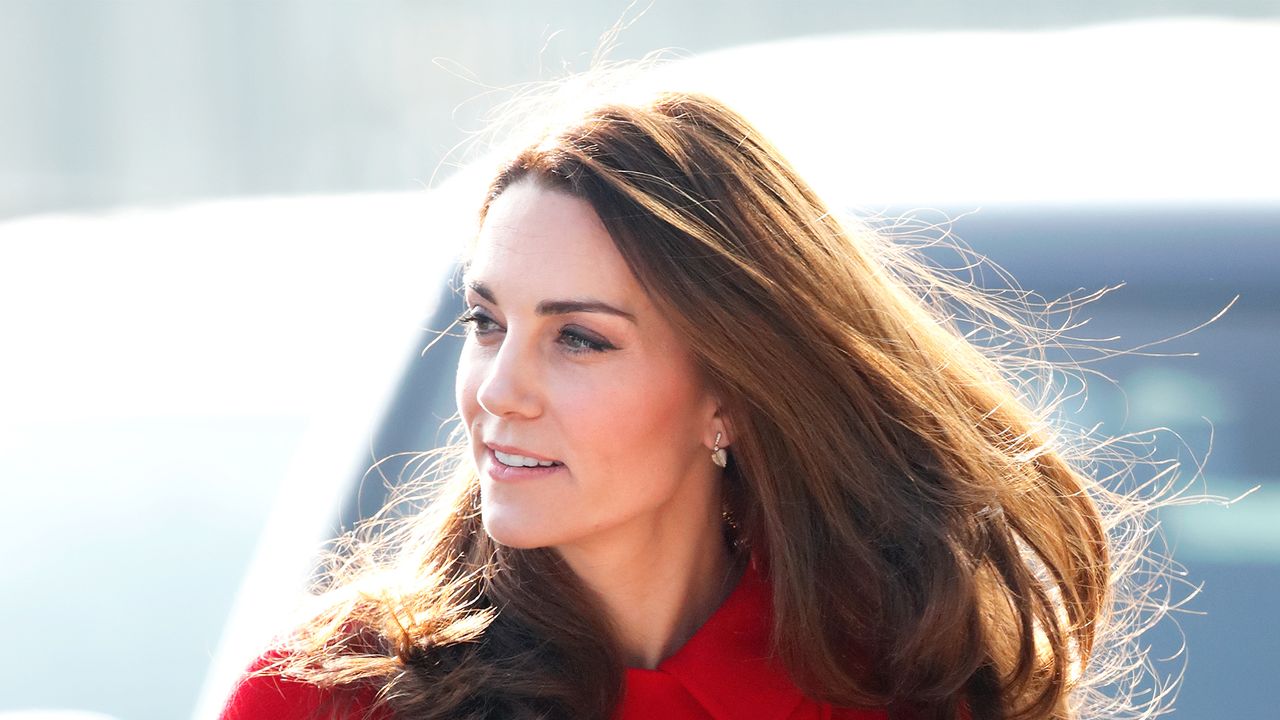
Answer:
x=719 y=455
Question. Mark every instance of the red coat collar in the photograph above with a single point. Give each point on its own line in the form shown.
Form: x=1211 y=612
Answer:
x=726 y=670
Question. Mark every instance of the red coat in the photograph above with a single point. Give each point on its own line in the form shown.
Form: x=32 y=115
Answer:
x=722 y=673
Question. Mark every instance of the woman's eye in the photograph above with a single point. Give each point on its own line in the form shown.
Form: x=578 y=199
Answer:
x=574 y=341
x=481 y=323
x=579 y=343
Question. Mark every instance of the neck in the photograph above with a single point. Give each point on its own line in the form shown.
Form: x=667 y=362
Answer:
x=656 y=591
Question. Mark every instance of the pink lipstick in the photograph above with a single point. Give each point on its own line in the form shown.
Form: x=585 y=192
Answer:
x=508 y=473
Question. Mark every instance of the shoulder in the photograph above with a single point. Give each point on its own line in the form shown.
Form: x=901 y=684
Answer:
x=266 y=696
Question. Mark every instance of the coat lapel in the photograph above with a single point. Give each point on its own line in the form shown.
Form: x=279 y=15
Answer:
x=727 y=667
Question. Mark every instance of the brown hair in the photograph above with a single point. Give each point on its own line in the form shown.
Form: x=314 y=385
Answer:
x=933 y=541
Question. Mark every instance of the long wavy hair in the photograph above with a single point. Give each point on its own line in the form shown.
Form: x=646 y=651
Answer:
x=934 y=541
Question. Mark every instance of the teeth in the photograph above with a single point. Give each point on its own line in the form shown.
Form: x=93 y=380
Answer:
x=521 y=460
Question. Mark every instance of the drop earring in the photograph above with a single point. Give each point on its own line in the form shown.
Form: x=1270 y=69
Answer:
x=719 y=455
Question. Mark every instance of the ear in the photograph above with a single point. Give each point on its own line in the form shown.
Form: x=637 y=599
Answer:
x=721 y=424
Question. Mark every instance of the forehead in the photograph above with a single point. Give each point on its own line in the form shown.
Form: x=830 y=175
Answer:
x=544 y=242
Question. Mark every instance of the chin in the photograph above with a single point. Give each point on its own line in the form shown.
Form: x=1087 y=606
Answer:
x=514 y=532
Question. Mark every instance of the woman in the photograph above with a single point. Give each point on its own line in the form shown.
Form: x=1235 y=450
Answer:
x=722 y=458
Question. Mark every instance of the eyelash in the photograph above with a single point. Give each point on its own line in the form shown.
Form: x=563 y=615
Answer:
x=476 y=318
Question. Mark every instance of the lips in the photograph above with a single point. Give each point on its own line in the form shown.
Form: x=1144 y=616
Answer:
x=507 y=473
x=513 y=450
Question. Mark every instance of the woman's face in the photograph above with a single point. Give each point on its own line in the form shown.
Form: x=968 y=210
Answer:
x=567 y=360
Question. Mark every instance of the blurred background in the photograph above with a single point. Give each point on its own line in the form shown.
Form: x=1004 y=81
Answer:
x=226 y=228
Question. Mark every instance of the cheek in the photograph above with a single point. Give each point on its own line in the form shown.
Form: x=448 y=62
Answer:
x=466 y=384
x=635 y=420
x=584 y=408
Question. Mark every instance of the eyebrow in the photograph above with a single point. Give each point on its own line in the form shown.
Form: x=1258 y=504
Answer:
x=555 y=307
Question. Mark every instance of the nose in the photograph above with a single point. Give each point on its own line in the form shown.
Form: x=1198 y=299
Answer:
x=510 y=386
